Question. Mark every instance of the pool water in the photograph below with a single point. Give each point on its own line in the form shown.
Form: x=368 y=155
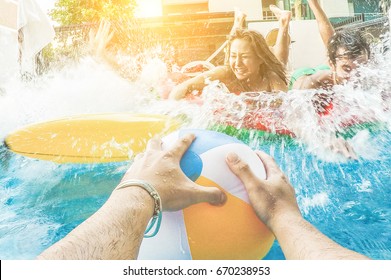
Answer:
x=42 y=201
x=349 y=201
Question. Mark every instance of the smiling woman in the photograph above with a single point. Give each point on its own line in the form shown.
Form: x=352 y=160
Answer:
x=148 y=8
x=252 y=67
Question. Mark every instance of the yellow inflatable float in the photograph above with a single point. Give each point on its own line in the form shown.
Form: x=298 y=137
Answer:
x=90 y=138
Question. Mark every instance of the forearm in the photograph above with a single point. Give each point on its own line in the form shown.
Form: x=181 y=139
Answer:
x=109 y=59
x=221 y=73
x=326 y=29
x=183 y=89
x=115 y=231
x=195 y=83
x=300 y=240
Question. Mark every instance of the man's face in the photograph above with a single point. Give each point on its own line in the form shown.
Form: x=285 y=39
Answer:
x=345 y=65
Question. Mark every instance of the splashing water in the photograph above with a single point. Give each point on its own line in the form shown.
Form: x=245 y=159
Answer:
x=41 y=201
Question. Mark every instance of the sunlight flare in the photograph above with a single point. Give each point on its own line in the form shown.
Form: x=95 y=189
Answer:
x=148 y=8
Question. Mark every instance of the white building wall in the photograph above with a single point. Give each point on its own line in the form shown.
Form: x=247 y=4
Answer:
x=8 y=53
x=307 y=49
x=8 y=40
x=175 y=2
x=335 y=8
x=252 y=8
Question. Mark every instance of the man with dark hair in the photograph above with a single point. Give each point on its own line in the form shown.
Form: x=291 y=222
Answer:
x=347 y=50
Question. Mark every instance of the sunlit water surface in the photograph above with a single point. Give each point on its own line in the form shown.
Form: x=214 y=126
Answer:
x=41 y=201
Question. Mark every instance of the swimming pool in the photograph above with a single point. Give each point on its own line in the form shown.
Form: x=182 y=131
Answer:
x=41 y=201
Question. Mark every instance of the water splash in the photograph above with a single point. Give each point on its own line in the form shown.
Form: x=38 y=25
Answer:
x=365 y=99
x=332 y=192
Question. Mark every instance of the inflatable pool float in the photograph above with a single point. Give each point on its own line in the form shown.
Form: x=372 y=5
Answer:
x=115 y=137
x=89 y=138
x=287 y=138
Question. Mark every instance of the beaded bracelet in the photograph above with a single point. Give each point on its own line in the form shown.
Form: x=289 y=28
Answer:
x=157 y=213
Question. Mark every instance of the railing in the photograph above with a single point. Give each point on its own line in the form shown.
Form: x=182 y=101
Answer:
x=357 y=18
x=268 y=15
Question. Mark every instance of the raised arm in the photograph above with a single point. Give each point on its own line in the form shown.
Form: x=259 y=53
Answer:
x=98 y=41
x=325 y=27
x=274 y=202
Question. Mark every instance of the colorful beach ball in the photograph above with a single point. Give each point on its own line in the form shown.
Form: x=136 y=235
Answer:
x=204 y=231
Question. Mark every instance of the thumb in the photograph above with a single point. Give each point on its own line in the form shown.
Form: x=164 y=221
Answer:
x=212 y=195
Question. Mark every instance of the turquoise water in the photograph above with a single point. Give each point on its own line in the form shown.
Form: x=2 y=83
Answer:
x=349 y=202
x=42 y=201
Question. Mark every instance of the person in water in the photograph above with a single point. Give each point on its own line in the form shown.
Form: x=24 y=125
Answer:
x=116 y=230
x=347 y=50
x=247 y=47
x=251 y=67
x=251 y=64
x=252 y=47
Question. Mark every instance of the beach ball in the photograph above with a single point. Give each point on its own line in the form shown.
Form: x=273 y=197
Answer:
x=204 y=231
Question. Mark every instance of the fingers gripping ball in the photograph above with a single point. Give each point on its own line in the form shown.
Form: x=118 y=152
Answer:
x=204 y=231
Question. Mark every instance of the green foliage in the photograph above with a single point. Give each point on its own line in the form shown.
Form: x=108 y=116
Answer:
x=76 y=18
x=70 y=12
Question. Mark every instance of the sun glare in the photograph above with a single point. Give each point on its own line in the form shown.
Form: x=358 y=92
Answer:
x=148 y=8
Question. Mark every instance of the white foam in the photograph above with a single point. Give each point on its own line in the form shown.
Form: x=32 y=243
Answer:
x=317 y=200
x=91 y=87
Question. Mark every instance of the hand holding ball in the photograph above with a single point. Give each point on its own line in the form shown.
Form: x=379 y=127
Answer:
x=204 y=231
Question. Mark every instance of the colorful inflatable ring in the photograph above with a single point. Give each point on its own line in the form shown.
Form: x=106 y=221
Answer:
x=246 y=134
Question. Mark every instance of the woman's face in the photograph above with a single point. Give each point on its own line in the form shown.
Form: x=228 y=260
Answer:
x=243 y=60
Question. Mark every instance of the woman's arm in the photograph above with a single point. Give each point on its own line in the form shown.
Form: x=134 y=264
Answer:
x=198 y=83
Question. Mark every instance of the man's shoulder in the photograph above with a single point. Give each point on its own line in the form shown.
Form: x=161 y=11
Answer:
x=319 y=79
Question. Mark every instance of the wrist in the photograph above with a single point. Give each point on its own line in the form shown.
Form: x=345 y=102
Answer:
x=154 y=224
x=133 y=199
x=280 y=220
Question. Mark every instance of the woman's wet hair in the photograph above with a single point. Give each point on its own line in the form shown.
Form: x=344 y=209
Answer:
x=262 y=50
x=353 y=41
